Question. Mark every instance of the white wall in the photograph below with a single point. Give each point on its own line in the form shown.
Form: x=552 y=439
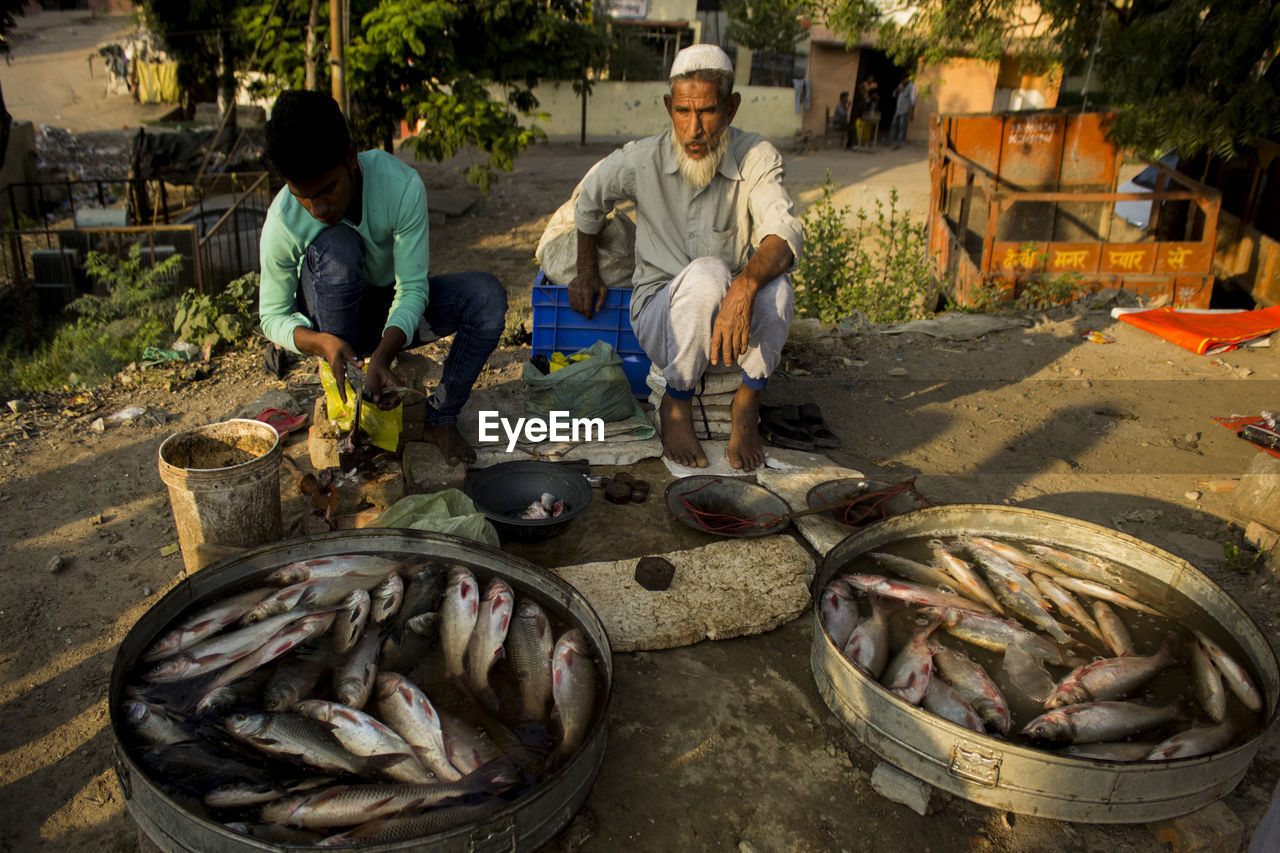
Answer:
x=617 y=111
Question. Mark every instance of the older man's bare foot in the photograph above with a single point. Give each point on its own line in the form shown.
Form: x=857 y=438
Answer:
x=745 y=450
x=453 y=446
x=678 y=438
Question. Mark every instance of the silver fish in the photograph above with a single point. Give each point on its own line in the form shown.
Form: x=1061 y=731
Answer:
x=457 y=619
x=316 y=593
x=994 y=557
x=293 y=681
x=365 y=736
x=911 y=593
x=493 y=620
x=217 y=652
x=206 y=623
x=294 y=738
x=913 y=571
x=1121 y=751
x=241 y=794
x=467 y=747
x=1033 y=608
x=374 y=568
x=354 y=675
x=408 y=710
x=1235 y=676
x=1111 y=678
x=909 y=671
x=387 y=598
x=944 y=700
x=153 y=724
x=1199 y=740
x=1093 y=589
x=965 y=577
x=287 y=639
x=435 y=821
x=971 y=680
x=1208 y=683
x=868 y=645
x=423 y=590
x=1093 y=722
x=353 y=614
x=573 y=684
x=530 y=644
x=1067 y=603
x=996 y=634
x=349 y=805
x=1084 y=566
x=1114 y=632
x=837 y=612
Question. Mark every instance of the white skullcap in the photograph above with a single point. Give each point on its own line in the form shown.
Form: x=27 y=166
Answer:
x=701 y=57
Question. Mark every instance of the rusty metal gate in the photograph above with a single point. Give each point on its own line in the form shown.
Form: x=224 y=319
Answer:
x=1026 y=197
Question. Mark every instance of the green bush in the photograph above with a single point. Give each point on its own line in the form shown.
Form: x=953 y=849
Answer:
x=881 y=268
x=219 y=319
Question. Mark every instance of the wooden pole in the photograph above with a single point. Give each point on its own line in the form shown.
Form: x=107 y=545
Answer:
x=337 y=74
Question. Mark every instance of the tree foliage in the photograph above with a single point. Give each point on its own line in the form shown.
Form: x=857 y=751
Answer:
x=1186 y=74
x=772 y=27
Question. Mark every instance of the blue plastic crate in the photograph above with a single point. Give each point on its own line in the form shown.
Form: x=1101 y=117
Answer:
x=556 y=326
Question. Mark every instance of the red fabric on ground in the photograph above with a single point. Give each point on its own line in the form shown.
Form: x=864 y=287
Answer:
x=1203 y=332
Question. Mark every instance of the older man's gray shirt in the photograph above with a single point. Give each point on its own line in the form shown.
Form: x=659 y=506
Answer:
x=675 y=223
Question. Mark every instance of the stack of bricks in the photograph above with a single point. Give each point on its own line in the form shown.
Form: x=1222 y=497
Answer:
x=716 y=399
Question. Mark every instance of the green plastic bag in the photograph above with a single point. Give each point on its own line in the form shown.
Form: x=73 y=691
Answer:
x=595 y=387
x=449 y=511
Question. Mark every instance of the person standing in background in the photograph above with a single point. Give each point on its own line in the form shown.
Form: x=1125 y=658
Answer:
x=905 y=110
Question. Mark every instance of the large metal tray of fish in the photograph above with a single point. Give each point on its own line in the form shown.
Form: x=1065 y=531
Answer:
x=388 y=689
x=1041 y=664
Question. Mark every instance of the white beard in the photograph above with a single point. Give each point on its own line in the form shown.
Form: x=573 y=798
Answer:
x=698 y=173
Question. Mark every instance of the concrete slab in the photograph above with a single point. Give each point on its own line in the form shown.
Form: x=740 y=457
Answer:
x=452 y=202
x=727 y=589
x=820 y=531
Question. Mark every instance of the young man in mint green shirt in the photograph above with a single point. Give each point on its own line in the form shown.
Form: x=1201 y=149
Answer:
x=344 y=265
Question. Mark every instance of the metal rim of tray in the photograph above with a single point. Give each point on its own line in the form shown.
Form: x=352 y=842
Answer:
x=500 y=830
x=972 y=765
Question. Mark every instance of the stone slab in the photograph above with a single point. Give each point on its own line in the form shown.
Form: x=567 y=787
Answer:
x=1212 y=828
x=820 y=531
x=452 y=202
x=726 y=589
x=1257 y=498
x=426 y=471
x=901 y=787
x=322 y=443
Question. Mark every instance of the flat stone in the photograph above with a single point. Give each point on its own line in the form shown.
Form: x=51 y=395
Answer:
x=379 y=488
x=1257 y=498
x=820 y=531
x=452 y=202
x=720 y=383
x=274 y=399
x=426 y=471
x=1213 y=828
x=712 y=597
x=322 y=438
x=901 y=787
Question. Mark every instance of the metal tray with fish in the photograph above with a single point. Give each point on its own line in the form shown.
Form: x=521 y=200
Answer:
x=531 y=807
x=1017 y=773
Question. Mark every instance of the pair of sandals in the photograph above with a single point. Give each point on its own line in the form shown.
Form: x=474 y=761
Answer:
x=796 y=427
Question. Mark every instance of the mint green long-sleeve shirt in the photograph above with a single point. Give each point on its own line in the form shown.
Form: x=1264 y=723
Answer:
x=393 y=226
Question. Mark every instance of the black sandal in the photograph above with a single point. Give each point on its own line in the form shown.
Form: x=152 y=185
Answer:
x=811 y=420
x=781 y=426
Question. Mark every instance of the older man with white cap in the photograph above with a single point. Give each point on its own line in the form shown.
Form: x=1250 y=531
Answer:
x=715 y=237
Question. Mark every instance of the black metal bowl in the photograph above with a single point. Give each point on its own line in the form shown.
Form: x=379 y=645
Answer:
x=876 y=507
x=727 y=506
x=504 y=490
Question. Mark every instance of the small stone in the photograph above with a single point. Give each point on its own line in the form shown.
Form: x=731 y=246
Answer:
x=56 y=564
x=745 y=846
x=1075 y=371
x=898 y=371
x=1243 y=372
x=147 y=592
x=169 y=550
x=901 y=787
x=19 y=406
x=1214 y=827
x=654 y=573
x=1192 y=496
x=98 y=425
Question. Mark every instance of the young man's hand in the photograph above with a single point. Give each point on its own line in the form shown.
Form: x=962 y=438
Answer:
x=331 y=348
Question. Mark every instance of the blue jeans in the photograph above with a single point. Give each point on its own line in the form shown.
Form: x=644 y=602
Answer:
x=898 y=129
x=471 y=306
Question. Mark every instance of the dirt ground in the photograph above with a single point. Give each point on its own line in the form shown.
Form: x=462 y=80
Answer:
x=719 y=746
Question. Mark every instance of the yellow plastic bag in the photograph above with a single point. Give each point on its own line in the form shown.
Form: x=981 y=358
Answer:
x=381 y=425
